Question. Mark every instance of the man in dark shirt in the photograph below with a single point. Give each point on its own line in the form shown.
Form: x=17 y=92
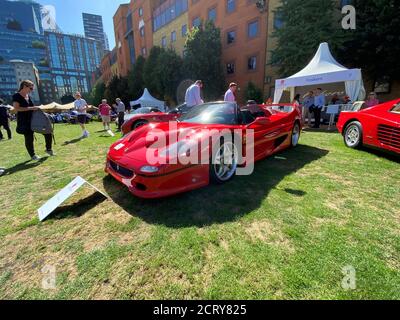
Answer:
x=4 y=116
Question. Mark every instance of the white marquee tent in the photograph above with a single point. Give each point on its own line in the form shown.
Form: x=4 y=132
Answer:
x=323 y=69
x=147 y=100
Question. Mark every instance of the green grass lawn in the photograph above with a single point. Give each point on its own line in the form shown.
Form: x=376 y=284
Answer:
x=286 y=232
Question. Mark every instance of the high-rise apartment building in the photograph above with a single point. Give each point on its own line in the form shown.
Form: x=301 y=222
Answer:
x=21 y=38
x=73 y=60
x=93 y=26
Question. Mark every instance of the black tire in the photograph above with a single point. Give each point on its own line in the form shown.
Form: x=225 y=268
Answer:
x=295 y=136
x=139 y=124
x=215 y=175
x=353 y=135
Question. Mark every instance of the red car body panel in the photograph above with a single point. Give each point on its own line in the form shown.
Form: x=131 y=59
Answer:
x=381 y=127
x=128 y=155
x=153 y=117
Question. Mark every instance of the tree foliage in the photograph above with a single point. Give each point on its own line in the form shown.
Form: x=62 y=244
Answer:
x=117 y=88
x=151 y=71
x=135 y=78
x=252 y=92
x=203 y=59
x=375 y=44
x=306 y=24
x=98 y=93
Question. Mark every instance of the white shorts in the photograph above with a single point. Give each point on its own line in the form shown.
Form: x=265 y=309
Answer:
x=106 y=119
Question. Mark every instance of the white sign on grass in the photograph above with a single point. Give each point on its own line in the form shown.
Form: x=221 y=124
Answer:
x=63 y=195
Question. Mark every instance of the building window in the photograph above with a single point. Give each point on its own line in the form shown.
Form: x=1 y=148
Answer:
x=164 y=42
x=230 y=6
x=144 y=51
x=230 y=68
x=184 y=30
x=278 y=22
x=140 y=12
x=212 y=14
x=231 y=37
x=252 y=29
x=196 y=22
x=141 y=32
x=252 y=63
x=173 y=36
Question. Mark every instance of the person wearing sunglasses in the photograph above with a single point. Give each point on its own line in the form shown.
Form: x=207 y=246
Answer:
x=372 y=100
x=24 y=107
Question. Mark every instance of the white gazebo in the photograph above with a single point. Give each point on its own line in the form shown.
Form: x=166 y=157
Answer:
x=147 y=100
x=323 y=69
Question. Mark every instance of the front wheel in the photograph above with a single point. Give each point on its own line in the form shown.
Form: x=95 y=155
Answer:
x=223 y=163
x=353 y=135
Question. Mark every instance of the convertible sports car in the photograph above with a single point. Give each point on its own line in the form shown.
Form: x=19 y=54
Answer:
x=145 y=115
x=377 y=126
x=275 y=127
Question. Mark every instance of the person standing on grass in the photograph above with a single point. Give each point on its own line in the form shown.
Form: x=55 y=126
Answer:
x=372 y=100
x=105 y=112
x=4 y=120
x=308 y=107
x=230 y=94
x=319 y=103
x=120 y=112
x=24 y=107
x=81 y=106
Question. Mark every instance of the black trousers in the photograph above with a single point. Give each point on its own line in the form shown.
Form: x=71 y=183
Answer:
x=121 y=116
x=6 y=126
x=29 y=142
x=317 y=115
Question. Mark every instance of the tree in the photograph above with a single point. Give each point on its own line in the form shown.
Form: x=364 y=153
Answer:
x=375 y=43
x=305 y=24
x=135 y=78
x=203 y=59
x=168 y=74
x=67 y=98
x=98 y=93
x=117 y=88
x=252 y=92
x=151 y=72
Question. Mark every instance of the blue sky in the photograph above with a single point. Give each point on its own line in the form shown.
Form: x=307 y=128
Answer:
x=69 y=14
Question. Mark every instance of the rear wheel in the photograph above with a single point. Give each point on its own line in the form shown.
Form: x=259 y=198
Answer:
x=139 y=123
x=353 y=135
x=224 y=163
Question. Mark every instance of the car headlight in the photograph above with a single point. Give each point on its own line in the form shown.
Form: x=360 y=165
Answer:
x=149 y=169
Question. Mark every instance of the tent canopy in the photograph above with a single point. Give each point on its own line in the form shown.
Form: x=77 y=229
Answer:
x=147 y=100
x=323 y=69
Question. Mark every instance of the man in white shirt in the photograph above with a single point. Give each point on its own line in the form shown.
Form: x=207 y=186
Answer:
x=81 y=106
x=319 y=103
x=192 y=97
x=230 y=94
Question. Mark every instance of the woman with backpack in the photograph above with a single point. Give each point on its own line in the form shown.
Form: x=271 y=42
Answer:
x=24 y=107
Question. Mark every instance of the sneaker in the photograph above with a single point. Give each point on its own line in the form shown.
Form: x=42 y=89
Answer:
x=35 y=158
x=50 y=153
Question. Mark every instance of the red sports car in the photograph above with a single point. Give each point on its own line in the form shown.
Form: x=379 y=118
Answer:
x=377 y=126
x=143 y=116
x=149 y=159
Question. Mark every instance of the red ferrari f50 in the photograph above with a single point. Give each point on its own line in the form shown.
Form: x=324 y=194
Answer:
x=377 y=126
x=274 y=128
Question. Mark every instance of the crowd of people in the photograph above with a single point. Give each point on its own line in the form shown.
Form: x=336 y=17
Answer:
x=312 y=103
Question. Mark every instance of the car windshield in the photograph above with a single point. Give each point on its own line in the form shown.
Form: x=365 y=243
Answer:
x=212 y=113
x=396 y=108
x=141 y=111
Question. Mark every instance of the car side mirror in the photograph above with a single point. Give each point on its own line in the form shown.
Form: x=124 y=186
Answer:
x=260 y=121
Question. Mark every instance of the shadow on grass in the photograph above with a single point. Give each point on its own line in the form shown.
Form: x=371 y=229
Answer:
x=73 y=141
x=24 y=166
x=78 y=208
x=391 y=156
x=217 y=204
